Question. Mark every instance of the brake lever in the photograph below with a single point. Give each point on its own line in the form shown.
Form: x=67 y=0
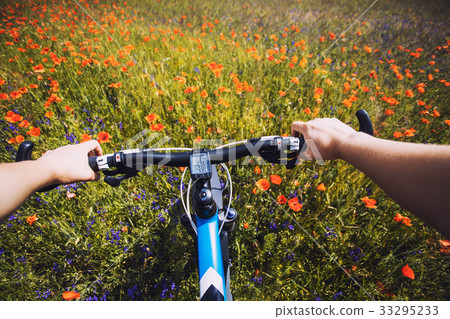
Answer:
x=115 y=181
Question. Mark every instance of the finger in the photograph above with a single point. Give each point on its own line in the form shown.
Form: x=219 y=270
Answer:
x=98 y=149
x=93 y=145
x=96 y=176
x=297 y=127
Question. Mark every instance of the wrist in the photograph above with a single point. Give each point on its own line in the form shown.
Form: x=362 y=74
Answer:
x=346 y=147
x=46 y=172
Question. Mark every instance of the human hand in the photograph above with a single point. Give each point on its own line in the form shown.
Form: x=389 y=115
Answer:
x=69 y=164
x=327 y=135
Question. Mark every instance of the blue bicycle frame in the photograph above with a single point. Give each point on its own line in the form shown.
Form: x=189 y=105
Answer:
x=210 y=264
x=212 y=249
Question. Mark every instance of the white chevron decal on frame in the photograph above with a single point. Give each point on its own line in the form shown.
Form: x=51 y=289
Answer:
x=211 y=277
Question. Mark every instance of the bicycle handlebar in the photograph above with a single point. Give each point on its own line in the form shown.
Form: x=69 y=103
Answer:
x=274 y=149
x=139 y=159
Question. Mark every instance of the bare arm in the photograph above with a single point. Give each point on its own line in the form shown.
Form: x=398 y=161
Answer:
x=417 y=176
x=67 y=164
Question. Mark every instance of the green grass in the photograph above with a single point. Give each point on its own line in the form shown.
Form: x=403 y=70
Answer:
x=72 y=244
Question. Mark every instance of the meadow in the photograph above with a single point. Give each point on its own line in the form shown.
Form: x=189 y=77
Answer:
x=72 y=71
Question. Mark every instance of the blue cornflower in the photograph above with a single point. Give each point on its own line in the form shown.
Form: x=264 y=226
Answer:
x=134 y=292
x=272 y=225
x=337 y=295
x=356 y=254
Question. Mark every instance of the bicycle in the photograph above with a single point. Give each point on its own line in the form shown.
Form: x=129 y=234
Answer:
x=213 y=222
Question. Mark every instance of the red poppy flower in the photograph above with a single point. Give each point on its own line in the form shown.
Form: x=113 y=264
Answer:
x=263 y=184
x=445 y=243
x=370 y=203
x=70 y=295
x=39 y=68
x=294 y=204
x=246 y=225
x=281 y=199
x=321 y=187
x=398 y=218
x=406 y=221
x=410 y=132
x=198 y=139
x=204 y=94
x=24 y=123
x=103 y=137
x=12 y=117
x=69 y=109
x=19 y=139
x=115 y=85
x=257 y=170
x=275 y=179
x=151 y=118
x=157 y=127
x=85 y=138
x=318 y=91
x=397 y=134
x=34 y=131
x=31 y=219
x=23 y=90
x=408 y=272
x=15 y=94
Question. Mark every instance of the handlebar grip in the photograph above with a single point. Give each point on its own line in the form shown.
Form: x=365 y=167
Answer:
x=93 y=163
x=365 y=124
x=24 y=151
